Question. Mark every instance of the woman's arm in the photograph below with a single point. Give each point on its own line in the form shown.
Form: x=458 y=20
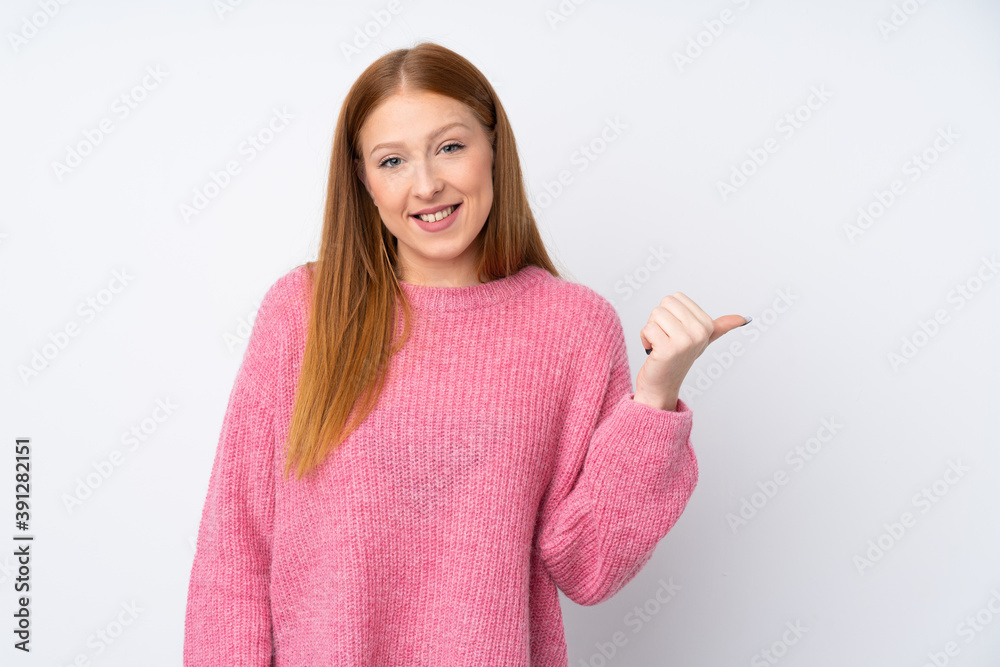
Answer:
x=624 y=476
x=228 y=620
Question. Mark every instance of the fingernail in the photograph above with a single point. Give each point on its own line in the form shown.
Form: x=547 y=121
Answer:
x=748 y=320
x=651 y=349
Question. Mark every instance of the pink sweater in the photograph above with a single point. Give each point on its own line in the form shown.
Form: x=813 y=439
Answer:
x=505 y=458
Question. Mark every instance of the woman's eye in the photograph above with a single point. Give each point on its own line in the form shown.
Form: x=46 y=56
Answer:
x=388 y=162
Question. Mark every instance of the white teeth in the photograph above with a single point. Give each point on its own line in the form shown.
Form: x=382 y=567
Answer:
x=434 y=217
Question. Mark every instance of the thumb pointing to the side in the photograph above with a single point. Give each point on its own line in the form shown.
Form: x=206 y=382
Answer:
x=727 y=323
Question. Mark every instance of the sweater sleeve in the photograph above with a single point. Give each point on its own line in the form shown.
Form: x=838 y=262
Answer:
x=624 y=474
x=228 y=618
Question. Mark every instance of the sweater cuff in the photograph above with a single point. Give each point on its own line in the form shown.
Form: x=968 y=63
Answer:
x=660 y=438
x=681 y=405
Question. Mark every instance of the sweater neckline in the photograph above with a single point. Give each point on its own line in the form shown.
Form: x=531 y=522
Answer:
x=469 y=297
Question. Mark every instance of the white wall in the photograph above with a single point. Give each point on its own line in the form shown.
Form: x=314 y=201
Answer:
x=832 y=299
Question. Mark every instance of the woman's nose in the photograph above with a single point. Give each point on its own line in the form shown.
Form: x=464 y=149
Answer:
x=427 y=181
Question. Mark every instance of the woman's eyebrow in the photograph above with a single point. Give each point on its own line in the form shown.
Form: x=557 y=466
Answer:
x=440 y=130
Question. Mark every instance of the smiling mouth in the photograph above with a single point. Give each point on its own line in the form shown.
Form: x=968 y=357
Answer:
x=434 y=217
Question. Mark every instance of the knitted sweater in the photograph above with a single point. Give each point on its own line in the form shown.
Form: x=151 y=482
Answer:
x=506 y=457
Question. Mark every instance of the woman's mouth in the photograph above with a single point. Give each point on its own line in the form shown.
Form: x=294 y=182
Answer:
x=434 y=217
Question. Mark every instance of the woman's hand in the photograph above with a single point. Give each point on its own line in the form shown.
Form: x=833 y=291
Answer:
x=678 y=331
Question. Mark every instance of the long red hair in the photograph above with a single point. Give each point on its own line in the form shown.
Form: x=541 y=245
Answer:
x=355 y=289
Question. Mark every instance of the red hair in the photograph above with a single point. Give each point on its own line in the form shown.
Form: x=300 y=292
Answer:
x=355 y=289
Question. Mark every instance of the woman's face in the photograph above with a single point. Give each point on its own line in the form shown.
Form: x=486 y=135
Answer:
x=423 y=151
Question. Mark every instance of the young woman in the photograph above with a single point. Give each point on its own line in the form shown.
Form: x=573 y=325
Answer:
x=431 y=432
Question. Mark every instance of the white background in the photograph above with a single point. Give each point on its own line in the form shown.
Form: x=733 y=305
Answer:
x=830 y=307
